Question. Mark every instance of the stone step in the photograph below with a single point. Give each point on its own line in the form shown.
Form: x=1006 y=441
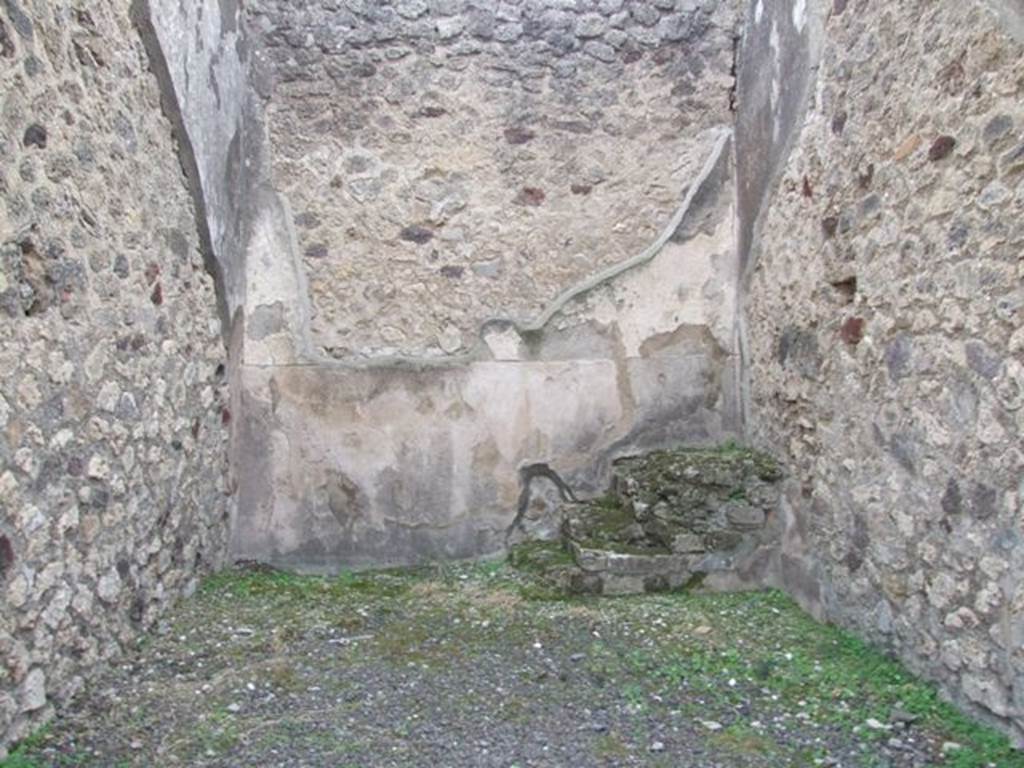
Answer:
x=671 y=518
x=693 y=476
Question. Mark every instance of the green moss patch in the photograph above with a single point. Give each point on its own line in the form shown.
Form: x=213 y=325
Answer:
x=452 y=666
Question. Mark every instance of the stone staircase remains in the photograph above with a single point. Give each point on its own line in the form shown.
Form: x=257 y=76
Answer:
x=672 y=519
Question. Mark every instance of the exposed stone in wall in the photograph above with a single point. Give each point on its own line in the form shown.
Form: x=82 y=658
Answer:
x=112 y=446
x=885 y=321
x=450 y=162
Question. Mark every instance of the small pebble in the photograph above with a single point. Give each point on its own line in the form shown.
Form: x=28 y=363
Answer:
x=900 y=715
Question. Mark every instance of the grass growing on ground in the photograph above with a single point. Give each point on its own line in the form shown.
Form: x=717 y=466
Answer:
x=746 y=677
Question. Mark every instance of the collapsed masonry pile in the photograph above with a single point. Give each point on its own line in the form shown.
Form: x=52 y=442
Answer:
x=672 y=519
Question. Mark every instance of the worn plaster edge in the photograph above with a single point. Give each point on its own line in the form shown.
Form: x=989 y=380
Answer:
x=815 y=45
x=815 y=34
x=645 y=256
x=141 y=14
x=280 y=208
x=309 y=359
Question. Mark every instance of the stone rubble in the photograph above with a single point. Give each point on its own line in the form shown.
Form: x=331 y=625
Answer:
x=672 y=519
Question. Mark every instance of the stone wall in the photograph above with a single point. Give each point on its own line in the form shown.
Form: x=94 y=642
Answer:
x=449 y=162
x=112 y=441
x=886 y=351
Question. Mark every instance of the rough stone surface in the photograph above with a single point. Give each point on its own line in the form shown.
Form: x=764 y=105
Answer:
x=416 y=142
x=672 y=518
x=904 y=438
x=112 y=451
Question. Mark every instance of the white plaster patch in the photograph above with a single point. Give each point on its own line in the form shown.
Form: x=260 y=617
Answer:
x=669 y=291
x=504 y=345
x=758 y=11
x=800 y=15
x=450 y=339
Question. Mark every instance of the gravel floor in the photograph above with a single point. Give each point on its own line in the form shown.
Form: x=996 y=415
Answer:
x=473 y=666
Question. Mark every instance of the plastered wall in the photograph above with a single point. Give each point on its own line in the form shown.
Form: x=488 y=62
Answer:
x=421 y=334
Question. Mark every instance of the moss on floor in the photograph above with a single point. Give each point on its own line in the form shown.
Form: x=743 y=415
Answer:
x=461 y=666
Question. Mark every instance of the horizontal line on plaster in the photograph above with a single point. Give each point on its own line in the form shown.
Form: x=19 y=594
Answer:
x=461 y=362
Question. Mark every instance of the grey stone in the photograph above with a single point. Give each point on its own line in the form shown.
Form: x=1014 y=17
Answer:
x=982 y=359
x=507 y=33
x=674 y=27
x=411 y=9
x=562 y=43
x=591 y=25
x=481 y=24
x=987 y=691
x=723 y=541
x=898 y=356
x=627 y=564
x=798 y=348
x=109 y=586
x=35 y=136
x=448 y=28
x=983 y=501
x=600 y=51
x=20 y=20
x=488 y=269
x=616 y=38
x=743 y=516
x=644 y=15
x=447 y=7
x=508 y=12
x=952 y=501
x=1013 y=161
x=688 y=543
x=33 y=690
x=997 y=127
